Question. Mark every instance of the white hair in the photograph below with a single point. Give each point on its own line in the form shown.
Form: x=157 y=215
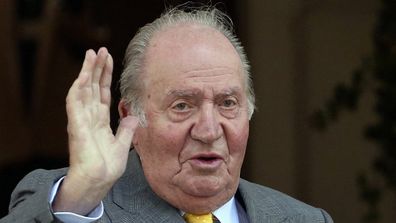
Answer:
x=131 y=83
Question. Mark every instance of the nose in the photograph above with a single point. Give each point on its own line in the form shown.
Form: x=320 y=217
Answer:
x=207 y=128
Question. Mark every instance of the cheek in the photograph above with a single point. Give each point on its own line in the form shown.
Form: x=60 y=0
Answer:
x=172 y=136
x=237 y=141
x=164 y=142
x=160 y=150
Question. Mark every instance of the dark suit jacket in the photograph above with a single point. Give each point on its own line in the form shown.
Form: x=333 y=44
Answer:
x=132 y=200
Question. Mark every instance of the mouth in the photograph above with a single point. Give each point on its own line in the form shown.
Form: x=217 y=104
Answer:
x=206 y=161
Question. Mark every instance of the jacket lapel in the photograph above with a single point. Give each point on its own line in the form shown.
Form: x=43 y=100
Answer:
x=259 y=208
x=138 y=202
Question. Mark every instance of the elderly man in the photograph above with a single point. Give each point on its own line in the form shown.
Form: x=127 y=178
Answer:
x=186 y=103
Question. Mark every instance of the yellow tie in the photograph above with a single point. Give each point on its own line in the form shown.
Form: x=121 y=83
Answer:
x=192 y=218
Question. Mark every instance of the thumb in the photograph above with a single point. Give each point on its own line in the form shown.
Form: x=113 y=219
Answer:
x=126 y=130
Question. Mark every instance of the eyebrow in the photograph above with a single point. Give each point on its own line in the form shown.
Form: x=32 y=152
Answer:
x=184 y=93
x=232 y=91
x=197 y=92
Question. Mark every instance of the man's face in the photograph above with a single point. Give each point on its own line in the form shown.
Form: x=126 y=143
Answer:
x=195 y=102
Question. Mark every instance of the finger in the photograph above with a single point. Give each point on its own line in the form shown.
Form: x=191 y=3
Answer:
x=126 y=130
x=84 y=92
x=98 y=72
x=73 y=102
x=105 y=81
x=87 y=69
x=77 y=91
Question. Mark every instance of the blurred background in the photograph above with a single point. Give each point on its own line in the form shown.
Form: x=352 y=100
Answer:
x=324 y=75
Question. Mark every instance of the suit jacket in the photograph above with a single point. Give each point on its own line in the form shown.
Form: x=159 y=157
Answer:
x=132 y=200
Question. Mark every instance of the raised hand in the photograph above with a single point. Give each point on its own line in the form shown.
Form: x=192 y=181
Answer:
x=97 y=157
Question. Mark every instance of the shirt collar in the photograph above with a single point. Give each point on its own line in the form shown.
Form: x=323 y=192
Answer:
x=226 y=213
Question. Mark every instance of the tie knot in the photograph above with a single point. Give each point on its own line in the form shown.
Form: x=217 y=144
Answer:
x=192 y=218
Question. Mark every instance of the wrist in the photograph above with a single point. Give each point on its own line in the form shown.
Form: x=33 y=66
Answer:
x=79 y=194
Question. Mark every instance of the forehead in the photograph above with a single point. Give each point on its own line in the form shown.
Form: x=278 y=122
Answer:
x=190 y=50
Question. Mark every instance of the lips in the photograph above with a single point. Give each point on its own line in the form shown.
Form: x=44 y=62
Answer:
x=206 y=161
x=207 y=156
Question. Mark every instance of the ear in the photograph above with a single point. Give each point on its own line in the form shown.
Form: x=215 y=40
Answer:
x=123 y=109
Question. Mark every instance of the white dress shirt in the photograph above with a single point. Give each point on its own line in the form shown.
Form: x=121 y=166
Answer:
x=69 y=217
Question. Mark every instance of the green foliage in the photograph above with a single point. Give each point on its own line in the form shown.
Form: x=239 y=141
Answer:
x=371 y=194
x=345 y=97
x=380 y=69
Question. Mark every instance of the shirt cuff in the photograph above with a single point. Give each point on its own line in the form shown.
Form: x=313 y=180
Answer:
x=69 y=217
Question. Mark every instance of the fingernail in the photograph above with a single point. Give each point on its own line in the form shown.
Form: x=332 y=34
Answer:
x=87 y=53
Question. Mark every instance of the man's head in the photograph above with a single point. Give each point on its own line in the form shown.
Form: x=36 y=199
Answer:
x=192 y=87
x=131 y=86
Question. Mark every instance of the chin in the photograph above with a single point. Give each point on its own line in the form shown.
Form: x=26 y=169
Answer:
x=202 y=205
x=204 y=186
x=203 y=196
x=204 y=189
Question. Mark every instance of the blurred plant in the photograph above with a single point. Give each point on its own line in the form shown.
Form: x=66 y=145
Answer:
x=380 y=69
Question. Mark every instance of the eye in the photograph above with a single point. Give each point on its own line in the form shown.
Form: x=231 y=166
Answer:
x=229 y=107
x=180 y=110
x=229 y=103
x=181 y=106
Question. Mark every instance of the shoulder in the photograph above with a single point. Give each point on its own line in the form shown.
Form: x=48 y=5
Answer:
x=265 y=202
x=29 y=200
x=269 y=196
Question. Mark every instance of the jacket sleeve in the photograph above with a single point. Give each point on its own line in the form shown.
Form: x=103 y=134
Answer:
x=29 y=200
x=327 y=217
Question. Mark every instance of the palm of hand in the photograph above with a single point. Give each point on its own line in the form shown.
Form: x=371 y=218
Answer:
x=95 y=153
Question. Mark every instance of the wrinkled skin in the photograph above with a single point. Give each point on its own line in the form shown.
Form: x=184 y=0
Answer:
x=195 y=103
